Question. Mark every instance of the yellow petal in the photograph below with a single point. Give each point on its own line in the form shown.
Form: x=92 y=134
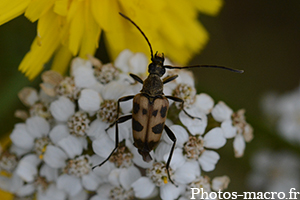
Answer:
x=91 y=36
x=147 y=14
x=61 y=7
x=210 y=7
x=43 y=45
x=5 y=141
x=76 y=28
x=194 y=40
x=102 y=12
x=10 y=9
x=61 y=60
x=37 y=8
x=117 y=41
x=6 y=195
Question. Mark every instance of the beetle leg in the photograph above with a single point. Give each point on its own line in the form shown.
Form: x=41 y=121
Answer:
x=136 y=78
x=176 y=99
x=169 y=78
x=173 y=138
x=126 y=98
x=120 y=120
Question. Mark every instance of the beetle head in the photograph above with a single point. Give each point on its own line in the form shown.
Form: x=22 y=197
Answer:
x=157 y=65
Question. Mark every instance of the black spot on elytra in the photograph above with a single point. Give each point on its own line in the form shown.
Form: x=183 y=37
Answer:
x=157 y=129
x=154 y=113
x=144 y=111
x=137 y=126
x=163 y=111
x=136 y=107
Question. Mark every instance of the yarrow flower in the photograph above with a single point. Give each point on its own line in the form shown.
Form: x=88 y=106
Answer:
x=276 y=171
x=70 y=28
x=283 y=113
x=69 y=128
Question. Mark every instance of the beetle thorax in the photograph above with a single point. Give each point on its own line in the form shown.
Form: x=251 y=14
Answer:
x=153 y=85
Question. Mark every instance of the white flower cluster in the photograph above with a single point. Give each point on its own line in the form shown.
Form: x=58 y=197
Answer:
x=283 y=112
x=274 y=171
x=63 y=136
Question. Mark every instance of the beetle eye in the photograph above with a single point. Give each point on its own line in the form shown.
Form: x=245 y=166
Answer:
x=162 y=71
x=151 y=68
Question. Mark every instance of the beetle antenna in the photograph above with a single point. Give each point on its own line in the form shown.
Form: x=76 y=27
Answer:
x=207 y=66
x=140 y=31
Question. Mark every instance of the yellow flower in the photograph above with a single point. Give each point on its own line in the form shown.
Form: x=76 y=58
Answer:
x=68 y=28
x=4 y=142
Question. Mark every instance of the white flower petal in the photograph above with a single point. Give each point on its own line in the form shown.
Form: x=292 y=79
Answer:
x=126 y=106
x=97 y=129
x=161 y=150
x=125 y=129
x=91 y=181
x=52 y=193
x=84 y=77
x=228 y=129
x=104 y=170
x=128 y=176
x=103 y=192
x=62 y=109
x=18 y=151
x=79 y=62
x=28 y=96
x=21 y=138
x=177 y=159
x=221 y=112
x=143 y=187
x=204 y=102
x=25 y=190
x=48 y=172
x=239 y=145
x=37 y=126
x=185 y=77
x=138 y=63
x=103 y=146
x=180 y=133
x=113 y=177
x=82 y=195
x=71 y=145
x=220 y=183
x=83 y=141
x=114 y=90
x=69 y=184
x=55 y=157
x=208 y=160
x=169 y=192
x=98 y=197
x=27 y=168
x=44 y=97
x=15 y=183
x=59 y=132
x=89 y=100
x=187 y=172
x=121 y=61
x=195 y=126
x=214 y=139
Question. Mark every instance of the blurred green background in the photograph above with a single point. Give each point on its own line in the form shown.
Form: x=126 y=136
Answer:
x=261 y=37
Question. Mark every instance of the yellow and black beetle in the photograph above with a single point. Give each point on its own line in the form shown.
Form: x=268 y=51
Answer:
x=150 y=107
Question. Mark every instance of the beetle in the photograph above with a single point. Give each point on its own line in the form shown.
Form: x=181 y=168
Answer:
x=150 y=107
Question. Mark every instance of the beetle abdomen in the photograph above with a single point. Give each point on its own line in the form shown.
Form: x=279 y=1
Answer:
x=148 y=121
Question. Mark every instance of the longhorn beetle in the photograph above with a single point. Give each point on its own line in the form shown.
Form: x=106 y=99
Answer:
x=150 y=107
